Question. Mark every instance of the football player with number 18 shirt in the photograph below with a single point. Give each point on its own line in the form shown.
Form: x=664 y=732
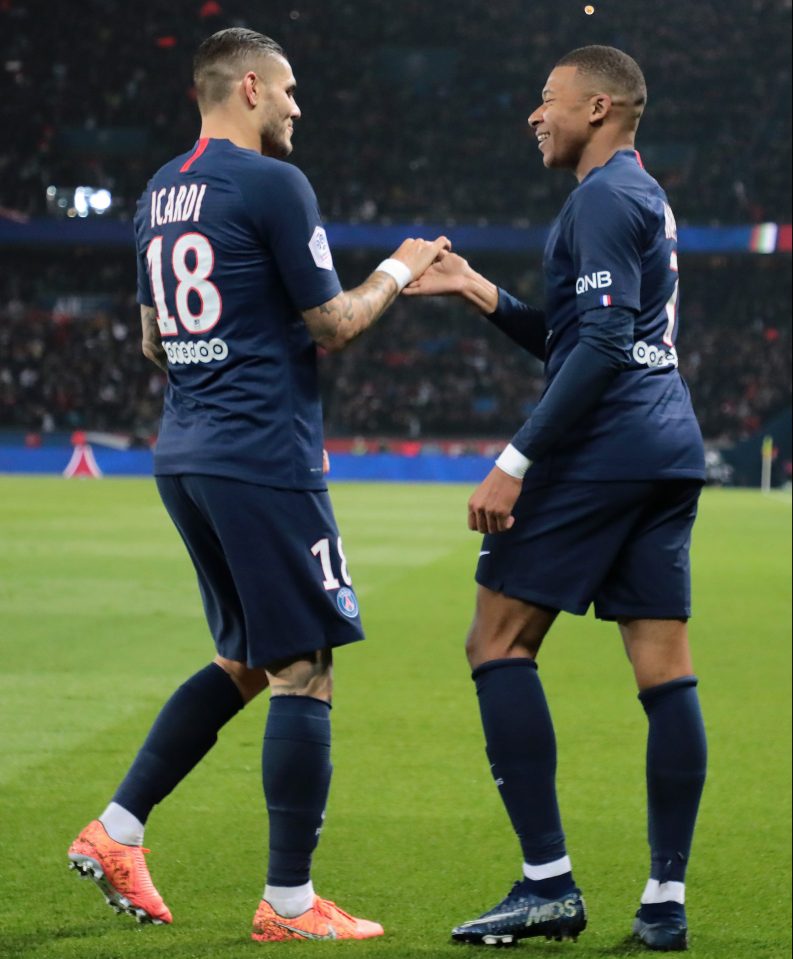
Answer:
x=237 y=286
x=592 y=501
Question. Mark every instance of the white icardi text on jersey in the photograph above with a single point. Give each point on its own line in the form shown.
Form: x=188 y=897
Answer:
x=177 y=205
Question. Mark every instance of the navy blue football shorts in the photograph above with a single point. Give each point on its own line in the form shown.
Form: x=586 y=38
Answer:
x=270 y=566
x=623 y=546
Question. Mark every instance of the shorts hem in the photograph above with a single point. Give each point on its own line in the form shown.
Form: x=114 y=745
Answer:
x=536 y=598
x=656 y=612
x=257 y=662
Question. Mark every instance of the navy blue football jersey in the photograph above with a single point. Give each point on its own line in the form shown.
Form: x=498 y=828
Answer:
x=231 y=249
x=615 y=244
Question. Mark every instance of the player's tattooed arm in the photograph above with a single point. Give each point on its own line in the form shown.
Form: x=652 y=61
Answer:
x=151 y=341
x=339 y=321
x=336 y=323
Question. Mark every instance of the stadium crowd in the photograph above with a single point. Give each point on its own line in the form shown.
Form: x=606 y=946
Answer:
x=428 y=369
x=420 y=117
x=428 y=112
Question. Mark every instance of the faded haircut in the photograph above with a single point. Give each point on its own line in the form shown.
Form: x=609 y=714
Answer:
x=615 y=73
x=223 y=58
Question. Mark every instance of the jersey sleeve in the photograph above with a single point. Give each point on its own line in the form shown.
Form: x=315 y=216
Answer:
x=605 y=237
x=285 y=209
x=521 y=323
x=604 y=348
x=144 y=287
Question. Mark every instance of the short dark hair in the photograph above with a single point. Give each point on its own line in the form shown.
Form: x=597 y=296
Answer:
x=619 y=73
x=223 y=57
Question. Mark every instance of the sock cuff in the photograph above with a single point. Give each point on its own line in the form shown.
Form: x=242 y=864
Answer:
x=548 y=870
x=650 y=696
x=521 y=662
x=300 y=704
x=298 y=719
x=658 y=892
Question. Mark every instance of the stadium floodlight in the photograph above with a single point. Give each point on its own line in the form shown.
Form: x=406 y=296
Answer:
x=100 y=200
x=80 y=201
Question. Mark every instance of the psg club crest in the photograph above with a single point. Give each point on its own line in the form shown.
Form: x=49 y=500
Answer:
x=347 y=603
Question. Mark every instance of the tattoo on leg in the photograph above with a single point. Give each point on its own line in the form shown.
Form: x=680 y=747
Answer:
x=306 y=676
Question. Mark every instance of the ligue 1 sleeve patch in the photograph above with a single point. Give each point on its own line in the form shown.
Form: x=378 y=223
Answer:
x=347 y=602
x=320 y=250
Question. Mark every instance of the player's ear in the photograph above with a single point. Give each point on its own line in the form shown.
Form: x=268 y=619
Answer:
x=250 y=88
x=599 y=107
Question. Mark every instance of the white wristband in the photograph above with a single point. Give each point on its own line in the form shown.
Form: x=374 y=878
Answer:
x=513 y=462
x=397 y=270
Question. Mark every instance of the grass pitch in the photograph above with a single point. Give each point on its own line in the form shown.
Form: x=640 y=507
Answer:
x=100 y=620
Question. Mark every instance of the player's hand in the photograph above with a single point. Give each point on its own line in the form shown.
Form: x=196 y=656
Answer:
x=490 y=508
x=419 y=254
x=451 y=275
x=446 y=276
x=325 y=463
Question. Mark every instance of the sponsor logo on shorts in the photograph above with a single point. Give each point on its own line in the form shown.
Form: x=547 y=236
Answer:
x=196 y=351
x=347 y=603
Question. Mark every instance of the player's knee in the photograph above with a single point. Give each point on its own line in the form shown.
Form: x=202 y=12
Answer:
x=485 y=643
x=306 y=676
x=504 y=627
x=657 y=649
x=472 y=646
x=249 y=681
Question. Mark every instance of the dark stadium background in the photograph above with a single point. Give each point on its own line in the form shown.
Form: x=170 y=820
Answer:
x=414 y=117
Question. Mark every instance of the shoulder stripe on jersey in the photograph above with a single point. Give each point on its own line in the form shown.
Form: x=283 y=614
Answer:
x=201 y=146
x=639 y=159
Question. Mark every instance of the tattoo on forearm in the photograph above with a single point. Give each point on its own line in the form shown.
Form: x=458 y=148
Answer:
x=152 y=343
x=347 y=315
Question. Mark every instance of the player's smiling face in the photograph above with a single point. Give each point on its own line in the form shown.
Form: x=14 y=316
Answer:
x=278 y=109
x=562 y=122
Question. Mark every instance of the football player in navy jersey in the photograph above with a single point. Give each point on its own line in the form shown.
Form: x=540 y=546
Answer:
x=237 y=287
x=592 y=501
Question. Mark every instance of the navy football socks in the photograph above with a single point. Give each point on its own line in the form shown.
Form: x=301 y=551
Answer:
x=676 y=765
x=521 y=746
x=296 y=771
x=183 y=733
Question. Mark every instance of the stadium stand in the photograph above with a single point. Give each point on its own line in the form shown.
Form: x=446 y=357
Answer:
x=428 y=113
x=415 y=119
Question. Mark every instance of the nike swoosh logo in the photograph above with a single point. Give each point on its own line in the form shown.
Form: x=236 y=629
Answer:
x=331 y=933
x=519 y=915
x=485 y=552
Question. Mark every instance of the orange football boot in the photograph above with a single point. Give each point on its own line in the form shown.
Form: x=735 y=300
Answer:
x=324 y=920
x=120 y=872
